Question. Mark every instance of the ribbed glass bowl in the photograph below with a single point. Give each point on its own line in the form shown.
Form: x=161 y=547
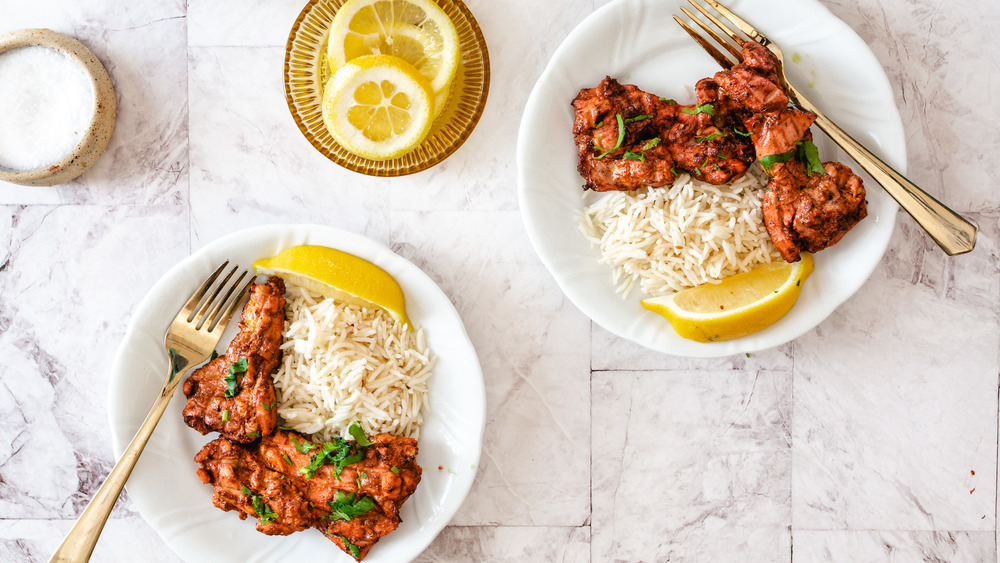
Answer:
x=306 y=73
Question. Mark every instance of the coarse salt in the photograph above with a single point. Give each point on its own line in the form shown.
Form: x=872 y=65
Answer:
x=46 y=106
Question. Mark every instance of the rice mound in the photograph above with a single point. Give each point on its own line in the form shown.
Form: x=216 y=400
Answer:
x=664 y=240
x=343 y=363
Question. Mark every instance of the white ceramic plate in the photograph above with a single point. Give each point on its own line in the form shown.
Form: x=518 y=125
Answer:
x=178 y=506
x=638 y=42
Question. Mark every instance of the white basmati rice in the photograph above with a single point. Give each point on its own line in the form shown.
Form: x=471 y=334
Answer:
x=343 y=363
x=663 y=240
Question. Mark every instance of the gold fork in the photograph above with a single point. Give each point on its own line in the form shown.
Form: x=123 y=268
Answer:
x=952 y=232
x=190 y=339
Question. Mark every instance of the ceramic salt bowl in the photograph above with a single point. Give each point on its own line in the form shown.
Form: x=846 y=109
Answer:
x=96 y=138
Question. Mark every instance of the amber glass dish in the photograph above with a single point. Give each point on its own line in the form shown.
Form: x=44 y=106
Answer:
x=306 y=73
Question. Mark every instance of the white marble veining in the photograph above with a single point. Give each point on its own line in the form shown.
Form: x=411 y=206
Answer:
x=871 y=438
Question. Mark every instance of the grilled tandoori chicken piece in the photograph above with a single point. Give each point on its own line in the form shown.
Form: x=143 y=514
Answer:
x=807 y=205
x=244 y=484
x=811 y=212
x=351 y=493
x=234 y=394
x=628 y=138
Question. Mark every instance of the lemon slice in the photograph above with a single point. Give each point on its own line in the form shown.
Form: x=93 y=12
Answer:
x=338 y=275
x=417 y=31
x=378 y=107
x=738 y=305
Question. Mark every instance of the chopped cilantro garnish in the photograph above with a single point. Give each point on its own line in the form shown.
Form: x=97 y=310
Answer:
x=394 y=469
x=336 y=453
x=304 y=447
x=287 y=459
x=213 y=356
x=231 y=379
x=621 y=137
x=770 y=160
x=700 y=108
x=640 y=117
x=253 y=434
x=741 y=133
x=355 y=550
x=225 y=416
x=621 y=133
x=347 y=507
x=358 y=434
x=262 y=510
x=723 y=156
x=709 y=137
x=804 y=152
x=599 y=124
x=808 y=154
x=267 y=406
x=651 y=143
x=635 y=156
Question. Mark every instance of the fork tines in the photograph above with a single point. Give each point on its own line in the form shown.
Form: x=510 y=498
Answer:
x=204 y=307
x=720 y=57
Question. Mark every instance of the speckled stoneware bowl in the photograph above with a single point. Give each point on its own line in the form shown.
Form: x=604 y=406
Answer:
x=95 y=140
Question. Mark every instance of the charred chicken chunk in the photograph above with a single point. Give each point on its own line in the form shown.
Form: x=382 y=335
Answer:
x=234 y=394
x=242 y=482
x=808 y=206
x=351 y=493
x=628 y=139
x=804 y=212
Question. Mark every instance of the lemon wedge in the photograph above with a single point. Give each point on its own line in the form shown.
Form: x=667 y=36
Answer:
x=378 y=107
x=338 y=275
x=738 y=305
x=417 y=31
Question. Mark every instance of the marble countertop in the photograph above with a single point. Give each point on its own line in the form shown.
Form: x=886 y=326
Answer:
x=871 y=438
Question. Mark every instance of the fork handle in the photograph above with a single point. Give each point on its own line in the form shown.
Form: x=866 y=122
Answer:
x=952 y=232
x=79 y=543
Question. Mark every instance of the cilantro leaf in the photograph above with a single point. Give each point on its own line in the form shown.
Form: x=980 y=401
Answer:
x=808 y=154
x=358 y=434
x=700 y=108
x=640 y=117
x=635 y=156
x=231 y=379
x=345 y=507
x=766 y=162
x=264 y=512
x=260 y=508
x=355 y=550
x=709 y=137
x=304 y=446
x=336 y=453
x=651 y=143
x=621 y=137
x=741 y=133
